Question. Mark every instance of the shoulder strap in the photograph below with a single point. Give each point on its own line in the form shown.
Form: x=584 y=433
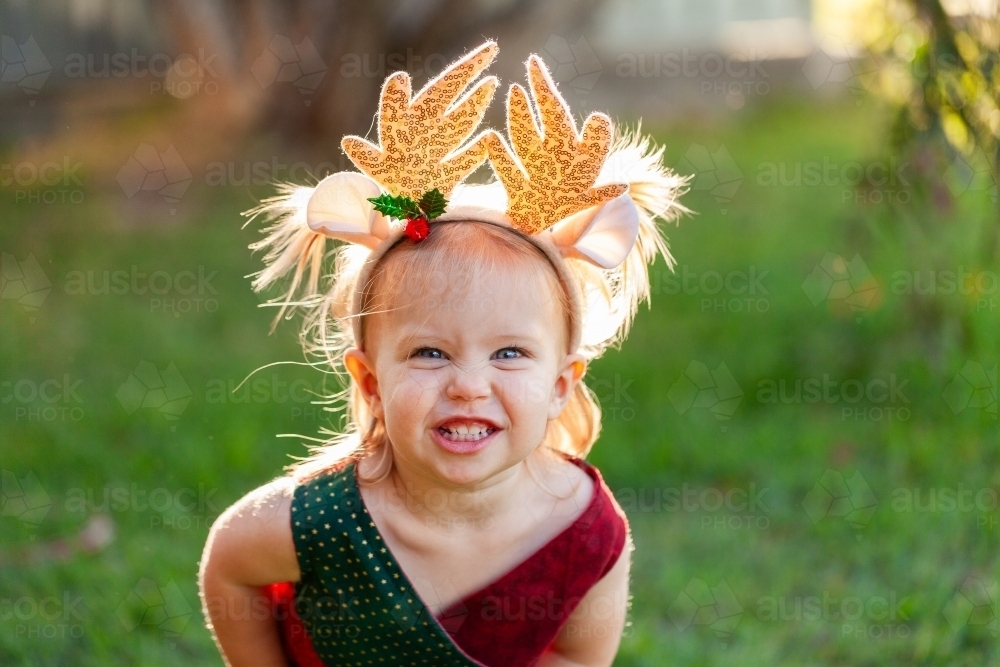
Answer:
x=514 y=619
x=355 y=601
x=611 y=521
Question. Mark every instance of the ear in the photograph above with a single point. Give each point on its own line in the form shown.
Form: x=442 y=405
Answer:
x=602 y=235
x=339 y=208
x=362 y=371
x=573 y=368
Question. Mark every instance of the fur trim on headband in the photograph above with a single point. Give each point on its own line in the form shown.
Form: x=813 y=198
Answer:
x=635 y=159
x=291 y=247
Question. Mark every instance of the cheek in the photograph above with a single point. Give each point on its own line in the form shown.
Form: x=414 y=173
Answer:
x=408 y=396
x=526 y=394
x=526 y=401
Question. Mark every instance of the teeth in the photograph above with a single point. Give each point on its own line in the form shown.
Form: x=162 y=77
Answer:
x=466 y=432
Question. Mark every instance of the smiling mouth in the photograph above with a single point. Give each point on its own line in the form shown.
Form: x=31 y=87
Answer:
x=471 y=432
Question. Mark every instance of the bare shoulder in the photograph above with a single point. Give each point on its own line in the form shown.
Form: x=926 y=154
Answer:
x=251 y=542
x=263 y=503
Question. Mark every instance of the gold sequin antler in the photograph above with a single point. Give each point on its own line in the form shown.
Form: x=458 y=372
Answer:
x=419 y=138
x=550 y=173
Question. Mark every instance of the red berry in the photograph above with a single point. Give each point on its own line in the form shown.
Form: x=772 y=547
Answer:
x=417 y=229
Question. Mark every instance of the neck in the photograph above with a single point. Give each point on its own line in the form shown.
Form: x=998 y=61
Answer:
x=437 y=502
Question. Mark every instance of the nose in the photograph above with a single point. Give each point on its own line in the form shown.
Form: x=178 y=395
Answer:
x=468 y=385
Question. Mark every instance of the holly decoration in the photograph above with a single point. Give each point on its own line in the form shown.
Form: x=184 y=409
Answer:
x=416 y=214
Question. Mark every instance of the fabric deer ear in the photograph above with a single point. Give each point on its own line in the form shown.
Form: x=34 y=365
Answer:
x=339 y=208
x=602 y=235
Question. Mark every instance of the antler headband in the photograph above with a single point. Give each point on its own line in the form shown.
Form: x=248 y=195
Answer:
x=579 y=195
x=549 y=176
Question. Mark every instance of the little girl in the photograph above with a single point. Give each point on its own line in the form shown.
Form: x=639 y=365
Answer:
x=455 y=522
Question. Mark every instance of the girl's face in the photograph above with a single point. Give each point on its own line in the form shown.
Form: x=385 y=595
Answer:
x=466 y=377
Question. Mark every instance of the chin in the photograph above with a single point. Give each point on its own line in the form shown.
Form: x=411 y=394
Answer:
x=467 y=470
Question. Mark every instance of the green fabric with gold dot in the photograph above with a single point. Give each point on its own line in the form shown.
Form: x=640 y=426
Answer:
x=357 y=605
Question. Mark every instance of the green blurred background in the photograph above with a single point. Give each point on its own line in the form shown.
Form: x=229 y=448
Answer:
x=802 y=429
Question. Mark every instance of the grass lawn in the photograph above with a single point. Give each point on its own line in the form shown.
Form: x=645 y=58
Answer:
x=807 y=483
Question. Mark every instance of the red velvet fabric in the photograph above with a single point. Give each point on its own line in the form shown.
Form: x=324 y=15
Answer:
x=514 y=620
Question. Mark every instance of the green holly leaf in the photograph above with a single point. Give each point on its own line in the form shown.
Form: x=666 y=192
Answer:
x=433 y=203
x=395 y=207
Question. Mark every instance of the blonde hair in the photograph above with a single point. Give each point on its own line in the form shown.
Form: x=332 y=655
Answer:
x=323 y=284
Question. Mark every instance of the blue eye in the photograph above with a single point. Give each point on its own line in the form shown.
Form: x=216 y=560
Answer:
x=508 y=353
x=429 y=353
